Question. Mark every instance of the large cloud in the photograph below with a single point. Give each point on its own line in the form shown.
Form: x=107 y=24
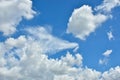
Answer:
x=11 y=13
x=82 y=22
x=23 y=58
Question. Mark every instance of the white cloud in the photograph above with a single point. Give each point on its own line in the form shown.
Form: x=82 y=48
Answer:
x=73 y=61
x=110 y=35
x=108 y=5
x=104 y=61
x=25 y=58
x=49 y=43
x=112 y=74
x=106 y=55
x=12 y=12
x=34 y=64
x=83 y=22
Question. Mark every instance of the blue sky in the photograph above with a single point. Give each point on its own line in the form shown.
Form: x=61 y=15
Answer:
x=50 y=36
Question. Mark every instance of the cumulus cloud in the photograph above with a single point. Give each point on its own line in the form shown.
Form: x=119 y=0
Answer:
x=83 y=22
x=26 y=58
x=73 y=61
x=12 y=12
x=22 y=59
x=112 y=74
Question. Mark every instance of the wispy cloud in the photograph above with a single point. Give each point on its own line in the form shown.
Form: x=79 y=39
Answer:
x=110 y=35
x=108 y=5
x=106 y=55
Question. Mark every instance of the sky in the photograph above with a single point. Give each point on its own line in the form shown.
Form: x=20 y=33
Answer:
x=59 y=39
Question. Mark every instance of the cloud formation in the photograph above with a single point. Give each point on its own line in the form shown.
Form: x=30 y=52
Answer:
x=83 y=22
x=12 y=12
x=108 y=5
x=26 y=58
x=22 y=60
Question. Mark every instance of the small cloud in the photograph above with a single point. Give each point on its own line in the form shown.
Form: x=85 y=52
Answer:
x=76 y=49
x=103 y=61
x=110 y=35
x=107 y=53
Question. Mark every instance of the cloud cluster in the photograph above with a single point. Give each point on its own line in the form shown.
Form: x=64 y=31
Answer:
x=84 y=21
x=26 y=57
x=12 y=12
x=23 y=60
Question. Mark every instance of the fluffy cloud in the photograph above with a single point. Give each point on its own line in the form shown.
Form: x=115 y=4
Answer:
x=108 y=5
x=112 y=74
x=73 y=61
x=22 y=59
x=82 y=22
x=11 y=13
x=26 y=58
